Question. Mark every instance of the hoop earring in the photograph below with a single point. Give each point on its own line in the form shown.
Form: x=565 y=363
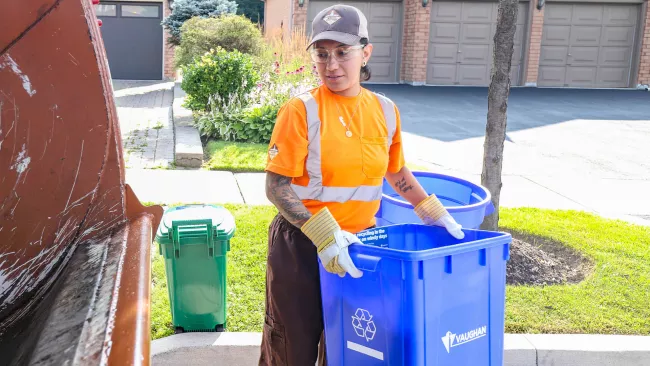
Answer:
x=364 y=64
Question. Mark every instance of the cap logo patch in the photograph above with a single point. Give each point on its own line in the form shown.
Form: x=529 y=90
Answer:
x=273 y=152
x=332 y=17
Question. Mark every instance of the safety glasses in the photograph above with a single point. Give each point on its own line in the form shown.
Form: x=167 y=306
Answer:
x=340 y=54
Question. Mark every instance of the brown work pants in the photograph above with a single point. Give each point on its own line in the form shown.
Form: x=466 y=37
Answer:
x=293 y=324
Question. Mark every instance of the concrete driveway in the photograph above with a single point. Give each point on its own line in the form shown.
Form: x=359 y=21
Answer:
x=565 y=148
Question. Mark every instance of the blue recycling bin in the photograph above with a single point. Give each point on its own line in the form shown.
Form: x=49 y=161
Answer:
x=466 y=202
x=425 y=298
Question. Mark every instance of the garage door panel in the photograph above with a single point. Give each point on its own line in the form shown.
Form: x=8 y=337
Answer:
x=558 y=14
x=443 y=53
x=382 y=51
x=620 y=15
x=446 y=12
x=584 y=56
x=519 y=34
x=587 y=14
x=383 y=32
x=472 y=74
x=585 y=36
x=522 y=15
x=516 y=55
x=514 y=73
x=476 y=33
x=474 y=53
x=613 y=77
x=556 y=35
x=615 y=56
x=445 y=33
x=617 y=36
x=383 y=71
x=382 y=13
x=551 y=76
x=554 y=55
x=441 y=74
x=478 y=12
x=581 y=76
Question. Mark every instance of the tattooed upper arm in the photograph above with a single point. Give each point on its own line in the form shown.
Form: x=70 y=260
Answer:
x=280 y=193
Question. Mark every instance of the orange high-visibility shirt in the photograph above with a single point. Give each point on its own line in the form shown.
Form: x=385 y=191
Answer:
x=360 y=160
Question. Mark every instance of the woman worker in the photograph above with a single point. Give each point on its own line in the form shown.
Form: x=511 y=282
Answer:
x=330 y=150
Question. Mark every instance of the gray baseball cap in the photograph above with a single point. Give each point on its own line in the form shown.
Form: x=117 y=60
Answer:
x=341 y=23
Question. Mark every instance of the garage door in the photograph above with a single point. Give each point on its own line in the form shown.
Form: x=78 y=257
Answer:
x=133 y=38
x=384 y=25
x=461 y=42
x=587 y=45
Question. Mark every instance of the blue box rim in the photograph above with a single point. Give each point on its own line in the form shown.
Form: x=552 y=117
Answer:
x=409 y=255
x=451 y=178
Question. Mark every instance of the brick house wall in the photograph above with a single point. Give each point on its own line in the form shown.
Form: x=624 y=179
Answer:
x=415 y=42
x=168 y=49
x=535 y=44
x=300 y=15
x=644 y=66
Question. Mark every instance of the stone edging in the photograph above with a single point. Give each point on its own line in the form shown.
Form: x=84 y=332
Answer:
x=519 y=349
x=189 y=150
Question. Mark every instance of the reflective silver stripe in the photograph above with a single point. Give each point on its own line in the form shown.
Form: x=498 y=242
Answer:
x=313 y=149
x=338 y=194
x=389 y=114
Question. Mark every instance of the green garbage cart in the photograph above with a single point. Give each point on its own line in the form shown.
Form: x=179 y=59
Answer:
x=194 y=241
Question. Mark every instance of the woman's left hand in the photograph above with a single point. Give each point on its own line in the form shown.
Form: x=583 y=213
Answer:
x=432 y=212
x=427 y=207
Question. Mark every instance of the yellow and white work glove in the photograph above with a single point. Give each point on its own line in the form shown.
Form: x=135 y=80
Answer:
x=432 y=212
x=332 y=243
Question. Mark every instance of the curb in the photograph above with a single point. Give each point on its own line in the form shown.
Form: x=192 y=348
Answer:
x=519 y=349
x=206 y=348
x=188 y=149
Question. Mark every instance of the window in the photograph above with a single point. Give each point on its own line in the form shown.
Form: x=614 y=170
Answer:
x=103 y=10
x=140 y=11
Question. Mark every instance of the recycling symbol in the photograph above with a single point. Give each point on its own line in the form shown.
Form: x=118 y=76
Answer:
x=363 y=324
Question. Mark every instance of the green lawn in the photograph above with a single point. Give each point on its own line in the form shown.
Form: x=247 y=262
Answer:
x=614 y=299
x=236 y=156
x=247 y=157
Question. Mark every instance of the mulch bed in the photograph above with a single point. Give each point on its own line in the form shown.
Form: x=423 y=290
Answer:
x=539 y=261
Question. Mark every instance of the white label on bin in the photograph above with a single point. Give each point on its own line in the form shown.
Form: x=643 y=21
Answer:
x=366 y=351
x=377 y=237
x=363 y=324
x=453 y=340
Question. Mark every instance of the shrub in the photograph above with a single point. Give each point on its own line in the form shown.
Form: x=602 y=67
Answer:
x=234 y=123
x=230 y=32
x=187 y=9
x=216 y=78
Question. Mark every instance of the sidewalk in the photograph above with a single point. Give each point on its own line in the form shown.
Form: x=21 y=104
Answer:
x=608 y=197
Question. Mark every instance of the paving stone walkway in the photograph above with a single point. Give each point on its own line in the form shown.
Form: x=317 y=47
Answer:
x=144 y=109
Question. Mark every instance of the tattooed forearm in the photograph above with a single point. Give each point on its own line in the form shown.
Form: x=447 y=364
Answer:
x=407 y=186
x=403 y=186
x=279 y=192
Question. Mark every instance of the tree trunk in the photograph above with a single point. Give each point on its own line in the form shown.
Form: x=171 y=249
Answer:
x=495 y=131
